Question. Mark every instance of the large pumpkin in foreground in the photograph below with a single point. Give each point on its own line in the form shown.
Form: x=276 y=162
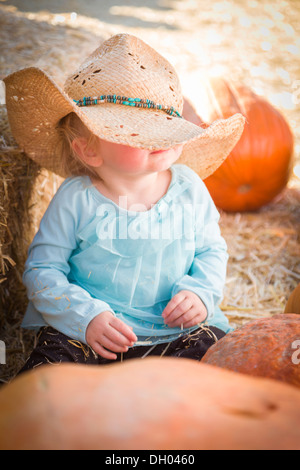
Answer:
x=268 y=347
x=293 y=303
x=260 y=165
x=149 y=404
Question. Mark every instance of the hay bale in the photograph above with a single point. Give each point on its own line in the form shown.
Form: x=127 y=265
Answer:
x=17 y=177
x=25 y=191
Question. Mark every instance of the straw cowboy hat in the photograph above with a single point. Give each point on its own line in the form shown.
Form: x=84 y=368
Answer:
x=124 y=92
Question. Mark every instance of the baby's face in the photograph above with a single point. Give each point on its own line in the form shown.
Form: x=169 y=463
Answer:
x=135 y=160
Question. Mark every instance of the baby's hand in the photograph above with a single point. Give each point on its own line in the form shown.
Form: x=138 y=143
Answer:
x=107 y=333
x=186 y=309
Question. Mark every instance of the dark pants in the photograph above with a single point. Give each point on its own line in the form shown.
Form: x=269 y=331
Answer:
x=54 y=347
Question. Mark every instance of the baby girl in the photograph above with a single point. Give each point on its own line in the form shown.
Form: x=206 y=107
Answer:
x=128 y=260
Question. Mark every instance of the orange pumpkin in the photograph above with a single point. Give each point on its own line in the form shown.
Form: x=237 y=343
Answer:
x=293 y=304
x=260 y=165
x=268 y=347
x=149 y=404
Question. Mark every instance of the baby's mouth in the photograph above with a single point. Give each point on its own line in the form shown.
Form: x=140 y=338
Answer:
x=159 y=152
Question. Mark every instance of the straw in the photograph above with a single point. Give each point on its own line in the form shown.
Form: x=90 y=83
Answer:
x=264 y=264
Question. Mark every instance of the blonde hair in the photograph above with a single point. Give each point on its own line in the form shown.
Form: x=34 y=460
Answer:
x=71 y=127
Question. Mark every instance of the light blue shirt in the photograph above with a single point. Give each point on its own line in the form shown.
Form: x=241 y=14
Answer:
x=90 y=255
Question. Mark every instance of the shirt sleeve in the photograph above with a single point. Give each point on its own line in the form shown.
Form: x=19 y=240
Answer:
x=64 y=306
x=207 y=274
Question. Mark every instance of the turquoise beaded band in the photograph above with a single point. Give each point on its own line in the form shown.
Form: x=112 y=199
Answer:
x=134 y=102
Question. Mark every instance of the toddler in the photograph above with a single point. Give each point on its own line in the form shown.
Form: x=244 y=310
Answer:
x=128 y=260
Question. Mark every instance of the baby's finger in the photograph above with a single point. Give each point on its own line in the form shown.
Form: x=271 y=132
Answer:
x=173 y=304
x=99 y=349
x=179 y=311
x=117 y=338
x=108 y=343
x=197 y=320
x=124 y=331
x=184 y=319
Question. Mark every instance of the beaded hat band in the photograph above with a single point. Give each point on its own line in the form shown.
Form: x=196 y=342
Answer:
x=134 y=102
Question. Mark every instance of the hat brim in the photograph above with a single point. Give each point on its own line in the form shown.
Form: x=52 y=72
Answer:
x=36 y=104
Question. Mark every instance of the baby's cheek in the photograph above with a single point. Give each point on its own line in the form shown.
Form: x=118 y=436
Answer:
x=131 y=160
